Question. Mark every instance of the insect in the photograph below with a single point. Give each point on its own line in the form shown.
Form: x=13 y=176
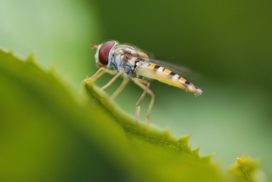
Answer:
x=134 y=64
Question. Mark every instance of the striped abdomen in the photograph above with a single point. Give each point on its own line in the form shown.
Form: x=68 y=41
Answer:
x=164 y=75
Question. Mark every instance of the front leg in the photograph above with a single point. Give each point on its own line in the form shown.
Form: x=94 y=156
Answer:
x=112 y=80
x=147 y=90
x=100 y=72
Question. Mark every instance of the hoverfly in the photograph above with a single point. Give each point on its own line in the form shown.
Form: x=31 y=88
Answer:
x=134 y=64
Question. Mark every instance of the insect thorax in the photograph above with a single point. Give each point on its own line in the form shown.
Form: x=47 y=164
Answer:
x=120 y=61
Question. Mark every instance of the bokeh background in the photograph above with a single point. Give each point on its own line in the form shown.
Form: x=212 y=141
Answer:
x=227 y=43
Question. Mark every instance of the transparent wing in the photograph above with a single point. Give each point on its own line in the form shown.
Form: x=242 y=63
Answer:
x=177 y=68
x=180 y=69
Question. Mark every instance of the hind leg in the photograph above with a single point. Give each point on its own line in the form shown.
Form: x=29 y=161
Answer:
x=146 y=90
x=141 y=99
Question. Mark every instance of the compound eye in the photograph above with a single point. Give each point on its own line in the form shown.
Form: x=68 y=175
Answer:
x=104 y=52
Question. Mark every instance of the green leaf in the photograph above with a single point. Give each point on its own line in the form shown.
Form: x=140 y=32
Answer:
x=247 y=169
x=48 y=133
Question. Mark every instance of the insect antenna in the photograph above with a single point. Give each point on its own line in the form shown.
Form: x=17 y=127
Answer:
x=93 y=46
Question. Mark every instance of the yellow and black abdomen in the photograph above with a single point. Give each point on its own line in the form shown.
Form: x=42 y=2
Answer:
x=164 y=75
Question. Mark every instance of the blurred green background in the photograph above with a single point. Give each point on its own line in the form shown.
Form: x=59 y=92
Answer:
x=228 y=43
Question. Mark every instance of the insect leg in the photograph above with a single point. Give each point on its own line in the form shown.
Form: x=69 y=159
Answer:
x=152 y=95
x=95 y=76
x=141 y=99
x=112 y=80
x=101 y=71
x=111 y=72
x=121 y=87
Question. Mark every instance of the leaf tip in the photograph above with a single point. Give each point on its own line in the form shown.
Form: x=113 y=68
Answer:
x=196 y=151
x=31 y=58
x=248 y=169
x=185 y=139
